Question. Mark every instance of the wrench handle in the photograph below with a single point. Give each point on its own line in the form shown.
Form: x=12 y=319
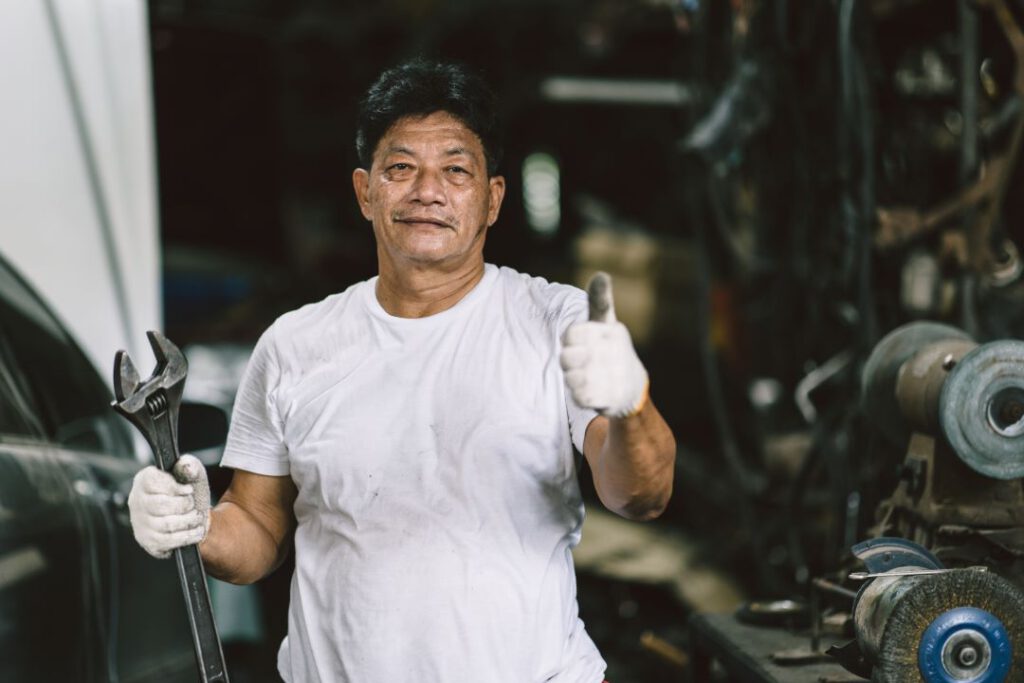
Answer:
x=209 y=656
x=162 y=436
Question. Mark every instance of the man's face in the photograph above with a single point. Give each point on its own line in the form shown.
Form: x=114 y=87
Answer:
x=428 y=193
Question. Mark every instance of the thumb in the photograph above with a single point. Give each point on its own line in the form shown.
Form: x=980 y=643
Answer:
x=189 y=470
x=599 y=292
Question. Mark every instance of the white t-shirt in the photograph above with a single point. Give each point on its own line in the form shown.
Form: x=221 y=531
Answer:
x=437 y=495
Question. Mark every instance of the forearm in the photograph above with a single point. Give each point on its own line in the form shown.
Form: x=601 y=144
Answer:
x=240 y=547
x=635 y=464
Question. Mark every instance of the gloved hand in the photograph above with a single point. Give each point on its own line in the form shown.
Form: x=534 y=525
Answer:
x=169 y=512
x=601 y=367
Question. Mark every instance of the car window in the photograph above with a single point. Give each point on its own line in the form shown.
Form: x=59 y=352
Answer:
x=16 y=415
x=43 y=373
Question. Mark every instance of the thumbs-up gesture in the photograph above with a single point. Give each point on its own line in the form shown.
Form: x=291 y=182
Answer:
x=601 y=367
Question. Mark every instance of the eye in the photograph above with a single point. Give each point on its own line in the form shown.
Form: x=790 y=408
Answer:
x=400 y=166
x=457 y=169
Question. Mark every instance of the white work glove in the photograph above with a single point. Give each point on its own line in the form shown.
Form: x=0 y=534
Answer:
x=169 y=512
x=601 y=367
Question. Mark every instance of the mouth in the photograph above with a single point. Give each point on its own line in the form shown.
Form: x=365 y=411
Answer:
x=423 y=221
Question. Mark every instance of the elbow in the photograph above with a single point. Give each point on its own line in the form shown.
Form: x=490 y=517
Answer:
x=639 y=491
x=642 y=511
x=243 y=564
x=243 y=575
x=270 y=567
x=251 y=574
x=651 y=500
x=235 y=573
x=641 y=507
x=249 y=579
x=238 y=579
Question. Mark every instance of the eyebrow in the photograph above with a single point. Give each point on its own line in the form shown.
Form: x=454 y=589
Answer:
x=451 y=151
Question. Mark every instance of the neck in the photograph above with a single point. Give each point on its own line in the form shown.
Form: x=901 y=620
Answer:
x=419 y=292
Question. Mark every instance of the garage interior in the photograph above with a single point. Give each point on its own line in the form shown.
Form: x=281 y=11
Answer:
x=812 y=214
x=774 y=186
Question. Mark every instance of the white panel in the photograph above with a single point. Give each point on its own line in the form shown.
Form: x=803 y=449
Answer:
x=53 y=214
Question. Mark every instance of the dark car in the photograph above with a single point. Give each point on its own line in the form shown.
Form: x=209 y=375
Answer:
x=79 y=600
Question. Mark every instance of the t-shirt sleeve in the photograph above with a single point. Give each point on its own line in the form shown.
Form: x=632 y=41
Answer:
x=575 y=311
x=256 y=437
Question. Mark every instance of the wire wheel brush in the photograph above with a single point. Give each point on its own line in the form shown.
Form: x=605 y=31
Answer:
x=960 y=626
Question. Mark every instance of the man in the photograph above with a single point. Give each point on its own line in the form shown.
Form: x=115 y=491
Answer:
x=415 y=434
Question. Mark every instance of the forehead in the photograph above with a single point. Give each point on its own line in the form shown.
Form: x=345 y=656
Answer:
x=438 y=129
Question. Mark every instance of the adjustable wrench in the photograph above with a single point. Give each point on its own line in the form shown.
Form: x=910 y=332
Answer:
x=152 y=407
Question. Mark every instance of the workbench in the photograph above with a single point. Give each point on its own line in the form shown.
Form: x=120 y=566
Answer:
x=745 y=651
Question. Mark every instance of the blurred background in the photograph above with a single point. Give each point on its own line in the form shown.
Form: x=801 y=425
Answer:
x=774 y=186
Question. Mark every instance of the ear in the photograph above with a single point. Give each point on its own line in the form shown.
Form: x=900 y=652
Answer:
x=497 y=194
x=361 y=184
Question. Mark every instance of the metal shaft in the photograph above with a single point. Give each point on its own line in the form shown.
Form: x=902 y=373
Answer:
x=209 y=655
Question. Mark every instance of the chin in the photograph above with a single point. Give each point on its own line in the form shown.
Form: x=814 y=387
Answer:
x=429 y=258
x=427 y=252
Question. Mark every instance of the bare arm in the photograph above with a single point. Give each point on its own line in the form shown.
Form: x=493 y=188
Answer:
x=250 y=528
x=633 y=461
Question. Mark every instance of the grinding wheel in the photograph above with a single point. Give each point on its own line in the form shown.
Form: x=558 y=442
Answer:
x=964 y=625
x=981 y=409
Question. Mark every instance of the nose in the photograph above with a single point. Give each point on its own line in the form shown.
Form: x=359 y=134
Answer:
x=428 y=187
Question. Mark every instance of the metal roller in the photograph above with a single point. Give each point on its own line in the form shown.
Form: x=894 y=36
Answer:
x=981 y=409
x=882 y=371
x=934 y=379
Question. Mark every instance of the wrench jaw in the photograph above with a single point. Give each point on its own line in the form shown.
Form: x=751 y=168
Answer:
x=126 y=377
x=126 y=395
x=152 y=406
x=170 y=361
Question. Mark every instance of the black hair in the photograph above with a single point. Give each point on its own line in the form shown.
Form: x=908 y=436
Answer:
x=420 y=88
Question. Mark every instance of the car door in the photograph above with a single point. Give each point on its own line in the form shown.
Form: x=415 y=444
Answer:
x=50 y=611
x=133 y=621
